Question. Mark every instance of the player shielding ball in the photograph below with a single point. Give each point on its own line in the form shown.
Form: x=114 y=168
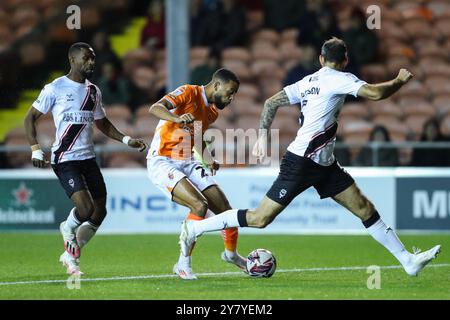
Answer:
x=309 y=160
x=171 y=167
x=76 y=104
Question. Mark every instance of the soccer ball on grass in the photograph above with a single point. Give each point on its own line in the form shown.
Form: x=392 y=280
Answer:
x=261 y=263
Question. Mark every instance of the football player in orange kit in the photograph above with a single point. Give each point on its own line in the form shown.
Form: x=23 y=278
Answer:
x=170 y=163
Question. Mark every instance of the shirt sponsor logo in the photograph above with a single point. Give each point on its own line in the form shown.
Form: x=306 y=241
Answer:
x=78 y=117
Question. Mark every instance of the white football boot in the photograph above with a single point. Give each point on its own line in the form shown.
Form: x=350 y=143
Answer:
x=419 y=260
x=184 y=271
x=72 y=264
x=237 y=260
x=70 y=242
x=187 y=238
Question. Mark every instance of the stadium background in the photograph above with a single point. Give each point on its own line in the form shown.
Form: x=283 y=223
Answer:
x=268 y=44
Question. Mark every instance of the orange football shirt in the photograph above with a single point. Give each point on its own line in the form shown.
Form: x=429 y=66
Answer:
x=175 y=140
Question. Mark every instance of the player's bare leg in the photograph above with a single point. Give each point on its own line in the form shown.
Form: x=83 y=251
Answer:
x=218 y=203
x=353 y=199
x=264 y=214
x=186 y=194
x=84 y=208
x=258 y=218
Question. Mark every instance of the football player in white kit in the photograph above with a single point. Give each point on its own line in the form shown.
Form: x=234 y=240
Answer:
x=76 y=105
x=309 y=160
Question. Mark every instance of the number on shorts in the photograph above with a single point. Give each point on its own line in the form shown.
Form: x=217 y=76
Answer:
x=203 y=172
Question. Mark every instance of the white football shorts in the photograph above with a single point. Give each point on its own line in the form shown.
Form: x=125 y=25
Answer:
x=165 y=173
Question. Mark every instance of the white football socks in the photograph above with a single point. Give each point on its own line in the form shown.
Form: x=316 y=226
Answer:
x=85 y=232
x=184 y=261
x=227 y=219
x=387 y=237
x=72 y=222
x=230 y=254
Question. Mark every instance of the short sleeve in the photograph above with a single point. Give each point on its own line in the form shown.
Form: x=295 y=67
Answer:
x=180 y=96
x=293 y=93
x=99 y=111
x=46 y=100
x=348 y=83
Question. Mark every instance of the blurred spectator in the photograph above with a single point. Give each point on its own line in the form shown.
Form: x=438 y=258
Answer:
x=223 y=27
x=280 y=15
x=104 y=54
x=385 y=156
x=233 y=28
x=202 y=74
x=308 y=64
x=142 y=86
x=431 y=157
x=153 y=34
x=114 y=88
x=342 y=154
x=317 y=25
x=197 y=13
x=9 y=79
x=33 y=63
x=362 y=43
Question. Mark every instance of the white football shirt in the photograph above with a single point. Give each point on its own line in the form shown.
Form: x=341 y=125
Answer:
x=321 y=96
x=74 y=107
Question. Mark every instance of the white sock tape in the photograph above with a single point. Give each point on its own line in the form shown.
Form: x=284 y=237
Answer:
x=126 y=139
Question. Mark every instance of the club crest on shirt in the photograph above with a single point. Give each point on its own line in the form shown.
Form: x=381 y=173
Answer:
x=170 y=175
x=71 y=183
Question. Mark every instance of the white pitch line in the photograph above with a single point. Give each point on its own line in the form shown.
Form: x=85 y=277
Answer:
x=209 y=274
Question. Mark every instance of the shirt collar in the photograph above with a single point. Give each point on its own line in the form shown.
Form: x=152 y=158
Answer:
x=205 y=100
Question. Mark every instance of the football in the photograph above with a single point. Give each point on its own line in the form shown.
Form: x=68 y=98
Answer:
x=261 y=263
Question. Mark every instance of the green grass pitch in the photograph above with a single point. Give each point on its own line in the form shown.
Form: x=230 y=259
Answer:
x=140 y=266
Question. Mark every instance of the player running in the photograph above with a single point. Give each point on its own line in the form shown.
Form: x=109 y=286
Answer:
x=309 y=160
x=187 y=110
x=76 y=104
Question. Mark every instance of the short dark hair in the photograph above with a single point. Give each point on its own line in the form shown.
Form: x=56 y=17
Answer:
x=225 y=75
x=334 y=50
x=380 y=128
x=78 y=46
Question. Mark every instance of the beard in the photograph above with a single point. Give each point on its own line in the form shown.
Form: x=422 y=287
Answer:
x=88 y=73
x=218 y=102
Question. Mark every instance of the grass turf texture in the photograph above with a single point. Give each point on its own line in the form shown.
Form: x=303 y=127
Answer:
x=34 y=257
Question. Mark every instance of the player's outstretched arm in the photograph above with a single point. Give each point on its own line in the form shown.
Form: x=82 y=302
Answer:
x=108 y=129
x=271 y=106
x=37 y=155
x=384 y=90
x=161 y=109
